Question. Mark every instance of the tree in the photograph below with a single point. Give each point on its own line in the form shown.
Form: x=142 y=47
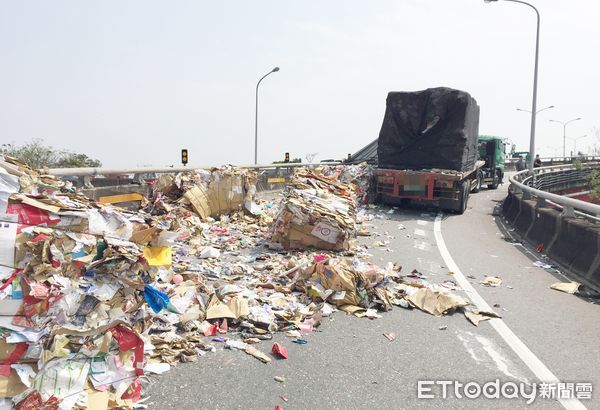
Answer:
x=38 y=155
x=594 y=181
x=73 y=160
x=292 y=161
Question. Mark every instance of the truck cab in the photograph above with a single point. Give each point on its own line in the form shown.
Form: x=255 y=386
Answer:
x=492 y=151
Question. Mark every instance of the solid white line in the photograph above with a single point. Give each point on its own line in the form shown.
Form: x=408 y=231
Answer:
x=527 y=356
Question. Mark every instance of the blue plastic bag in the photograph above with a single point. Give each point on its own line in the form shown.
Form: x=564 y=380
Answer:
x=156 y=299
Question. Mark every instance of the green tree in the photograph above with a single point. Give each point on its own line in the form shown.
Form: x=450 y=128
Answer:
x=38 y=155
x=291 y=161
x=73 y=160
x=594 y=181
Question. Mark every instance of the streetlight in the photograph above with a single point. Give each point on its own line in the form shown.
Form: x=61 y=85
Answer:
x=538 y=111
x=575 y=143
x=535 y=80
x=256 y=115
x=564 y=124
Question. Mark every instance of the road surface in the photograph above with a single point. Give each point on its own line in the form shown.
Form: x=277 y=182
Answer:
x=349 y=364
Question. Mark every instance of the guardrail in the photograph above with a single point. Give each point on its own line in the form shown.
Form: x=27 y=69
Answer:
x=562 y=160
x=270 y=176
x=547 y=177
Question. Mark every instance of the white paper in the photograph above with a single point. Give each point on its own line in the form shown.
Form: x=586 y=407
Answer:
x=157 y=368
x=110 y=223
x=9 y=184
x=106 y=292
x=25 y=373
x=209 y=252
x=326 y=232
x=62 y=378
x=8 y=237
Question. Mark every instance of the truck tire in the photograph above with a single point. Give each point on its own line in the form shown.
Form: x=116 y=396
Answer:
x=463 y=198
x=496 y=182
x=459 y=205
x=477 y=186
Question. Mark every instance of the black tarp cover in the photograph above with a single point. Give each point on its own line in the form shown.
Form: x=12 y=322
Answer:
x=433 y=128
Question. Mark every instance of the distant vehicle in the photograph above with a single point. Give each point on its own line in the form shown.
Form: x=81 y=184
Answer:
x=491 y=151
x=524 y=154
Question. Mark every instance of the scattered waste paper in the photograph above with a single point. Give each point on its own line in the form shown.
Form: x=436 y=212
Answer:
x=491 y=281
x=391 y=336
x=567 y=287
x=477 y=315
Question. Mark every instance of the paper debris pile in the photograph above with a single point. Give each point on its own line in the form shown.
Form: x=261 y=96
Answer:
x=360 y=176
x=93 y=297
x=89 y=296
x=211 y=193
x=318 y=212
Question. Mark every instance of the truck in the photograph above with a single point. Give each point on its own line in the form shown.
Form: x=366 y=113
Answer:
x=492 y=151
x=428 y=150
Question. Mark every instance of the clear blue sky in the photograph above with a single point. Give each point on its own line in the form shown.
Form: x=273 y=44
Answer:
x=132 y=82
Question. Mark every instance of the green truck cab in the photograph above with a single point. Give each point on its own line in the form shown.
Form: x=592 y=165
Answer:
x=492 y=150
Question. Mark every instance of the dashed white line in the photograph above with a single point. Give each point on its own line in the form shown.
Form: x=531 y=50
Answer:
x=422 y=222
x=420 y=232
x=424 y=246
x=527 y=356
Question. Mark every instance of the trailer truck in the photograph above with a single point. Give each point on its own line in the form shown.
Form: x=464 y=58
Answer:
x=428 y=150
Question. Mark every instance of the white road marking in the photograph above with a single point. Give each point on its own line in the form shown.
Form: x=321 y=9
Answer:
x=420 y=232
x=527 y=356
x=424 y=246
x=480 y=347
x=422 y=222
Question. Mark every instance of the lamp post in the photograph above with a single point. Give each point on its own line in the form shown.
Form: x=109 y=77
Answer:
x=575 y=143
x=538 y=111
x=535 y=80
x=256 y=115
x=564 y=124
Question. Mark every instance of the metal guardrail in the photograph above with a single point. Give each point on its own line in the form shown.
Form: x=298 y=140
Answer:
x=548 y=177
x=164 y=170
x=270 y=176
x=562 y=160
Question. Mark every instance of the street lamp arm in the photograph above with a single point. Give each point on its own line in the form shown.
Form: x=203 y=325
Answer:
x=570 y=121
x=527 y=4
x=262 y=78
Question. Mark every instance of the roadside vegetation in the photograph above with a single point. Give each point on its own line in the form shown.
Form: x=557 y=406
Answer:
x=38 y=155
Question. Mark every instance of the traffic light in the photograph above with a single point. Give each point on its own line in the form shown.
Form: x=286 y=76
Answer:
x=287 y=157
x=184 y=156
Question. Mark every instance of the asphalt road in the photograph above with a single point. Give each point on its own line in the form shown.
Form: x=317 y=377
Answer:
x=349 y=364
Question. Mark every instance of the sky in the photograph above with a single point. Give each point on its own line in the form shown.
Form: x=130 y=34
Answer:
x=132 y=82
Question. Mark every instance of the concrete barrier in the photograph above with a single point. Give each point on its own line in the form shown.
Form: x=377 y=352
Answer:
x=571 y=242
x=526 y=217
x=97 y=193
x=511 y=207
x=576 y=246
x=545 y=228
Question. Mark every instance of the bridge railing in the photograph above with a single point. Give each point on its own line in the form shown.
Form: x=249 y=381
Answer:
x=270 y=176
x=545 y=178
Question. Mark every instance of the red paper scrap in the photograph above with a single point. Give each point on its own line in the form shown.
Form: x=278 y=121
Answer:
x=279 y=350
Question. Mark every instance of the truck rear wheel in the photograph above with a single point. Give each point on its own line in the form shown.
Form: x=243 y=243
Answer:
x=458 y=205
x=463 y=198
x=496 y=181
x=477 y=186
